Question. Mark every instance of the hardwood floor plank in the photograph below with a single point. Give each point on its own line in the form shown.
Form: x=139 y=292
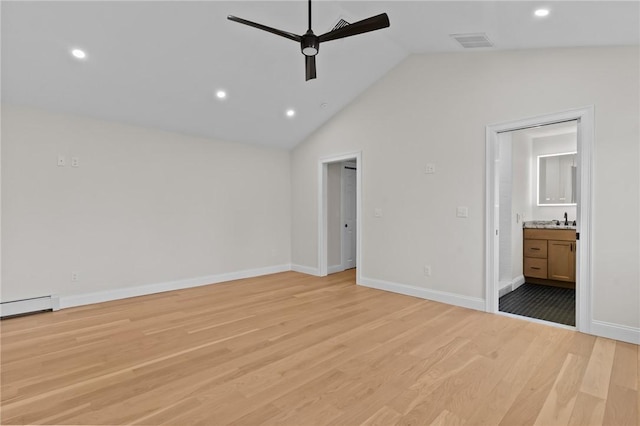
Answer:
x=561 y=400
x=598 y=374
x=587 y=411
x=383 y=417
x=293 y=349
x=621 y=408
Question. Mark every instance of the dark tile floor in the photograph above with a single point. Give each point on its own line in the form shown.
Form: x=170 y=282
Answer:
x=543 y=302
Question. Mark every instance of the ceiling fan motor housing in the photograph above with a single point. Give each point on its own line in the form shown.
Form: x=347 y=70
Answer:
x=310 y=44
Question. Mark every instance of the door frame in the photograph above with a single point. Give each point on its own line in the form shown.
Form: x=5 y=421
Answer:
x=323 y=219
x=343 y=192
x=585 y=123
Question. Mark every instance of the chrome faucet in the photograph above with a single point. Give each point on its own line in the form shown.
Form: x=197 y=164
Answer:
x=566 y=220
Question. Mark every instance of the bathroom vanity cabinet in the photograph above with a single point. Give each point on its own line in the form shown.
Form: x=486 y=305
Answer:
x=550 y=256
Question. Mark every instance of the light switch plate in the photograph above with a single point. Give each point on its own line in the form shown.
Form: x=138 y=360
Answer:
x=377 y=212
x=61 y=160
x=462 y=211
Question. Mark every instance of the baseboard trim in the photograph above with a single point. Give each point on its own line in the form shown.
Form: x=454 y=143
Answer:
x=306 y=270
x=424 y=293
x=615 y=331
x=335 y=268
x=26 y=306
x=511 y=285
x=517 y=282
x=69 y=301
x=505 y=289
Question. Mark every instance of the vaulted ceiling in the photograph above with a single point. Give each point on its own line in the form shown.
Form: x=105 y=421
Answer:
x=159 y=64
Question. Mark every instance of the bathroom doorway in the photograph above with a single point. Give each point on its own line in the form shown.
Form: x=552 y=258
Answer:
x=537 y=207
x=537 y=259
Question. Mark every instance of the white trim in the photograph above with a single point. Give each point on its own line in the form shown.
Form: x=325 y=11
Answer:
x=511 y=285
x=343 y=255
x=425 y=293
x=306 y=270
x=55 y=302
x=504 y=288
x=25 y=306
x=335 y=268
x=616 y=331
x=68 y=301
x=585 y=118
x=517 y=282
x=323 y=219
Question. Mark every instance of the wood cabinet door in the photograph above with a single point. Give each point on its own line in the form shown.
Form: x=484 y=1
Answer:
x=561 y=260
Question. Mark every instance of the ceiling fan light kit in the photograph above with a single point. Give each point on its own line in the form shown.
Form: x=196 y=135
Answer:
x=310 y=43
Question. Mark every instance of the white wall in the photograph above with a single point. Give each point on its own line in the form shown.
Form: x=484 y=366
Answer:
x=521 y=201
x=505 y=186
x=144 y=206
x=434 y=108
x=543 y=146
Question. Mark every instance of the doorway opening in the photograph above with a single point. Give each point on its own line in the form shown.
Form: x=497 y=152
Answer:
x=537 y=234
x=339 y=214
x=538 y=218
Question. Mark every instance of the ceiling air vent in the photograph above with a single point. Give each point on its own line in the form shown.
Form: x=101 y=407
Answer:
x=470 y=41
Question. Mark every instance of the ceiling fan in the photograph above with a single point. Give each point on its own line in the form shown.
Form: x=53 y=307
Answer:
x=310 y=43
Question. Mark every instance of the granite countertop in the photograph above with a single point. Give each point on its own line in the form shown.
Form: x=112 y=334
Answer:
x=548 y=224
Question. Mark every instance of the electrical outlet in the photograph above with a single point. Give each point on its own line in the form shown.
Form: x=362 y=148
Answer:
x=377 y=212
x=74 y=276
x=427 y=271
x=75 y=162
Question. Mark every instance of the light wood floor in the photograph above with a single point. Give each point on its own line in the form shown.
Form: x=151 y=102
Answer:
x=298 y=350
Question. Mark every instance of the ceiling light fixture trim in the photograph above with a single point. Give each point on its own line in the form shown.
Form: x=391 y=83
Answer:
x=78 y=53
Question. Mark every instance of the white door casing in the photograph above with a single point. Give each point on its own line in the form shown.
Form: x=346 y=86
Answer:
x=349 y=215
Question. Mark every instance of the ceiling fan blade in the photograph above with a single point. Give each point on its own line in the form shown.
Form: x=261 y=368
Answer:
x=310 y=67
x=370 y=24
x=276 y=31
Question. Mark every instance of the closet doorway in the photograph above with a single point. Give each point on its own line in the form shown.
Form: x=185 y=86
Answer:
x=339 y=213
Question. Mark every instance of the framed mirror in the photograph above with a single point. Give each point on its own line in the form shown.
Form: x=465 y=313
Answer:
x=557 y=179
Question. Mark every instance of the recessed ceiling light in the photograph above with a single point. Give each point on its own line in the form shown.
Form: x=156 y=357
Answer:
x=79 y=54
x=541 y=12
x=221 y=94
x=290 y=113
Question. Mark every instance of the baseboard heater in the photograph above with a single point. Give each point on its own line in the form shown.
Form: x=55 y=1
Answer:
x=28 y=306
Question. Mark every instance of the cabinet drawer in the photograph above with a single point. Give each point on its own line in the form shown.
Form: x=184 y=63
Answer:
x=535 y=248
x=536 y=268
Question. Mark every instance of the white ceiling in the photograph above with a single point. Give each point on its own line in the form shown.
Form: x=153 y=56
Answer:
x=158 y=64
